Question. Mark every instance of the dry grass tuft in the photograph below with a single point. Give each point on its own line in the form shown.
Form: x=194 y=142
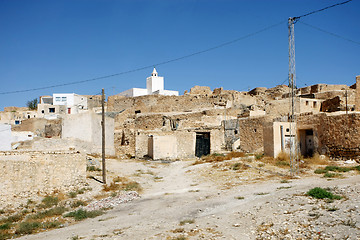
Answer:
x=316 y=160
x=283 y=157
x=122 y=183
x=235 y=155
x=216 y=157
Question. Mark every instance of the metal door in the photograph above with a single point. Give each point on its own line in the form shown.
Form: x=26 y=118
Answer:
x=202 y=146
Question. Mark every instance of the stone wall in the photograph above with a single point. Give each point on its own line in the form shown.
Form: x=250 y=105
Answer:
x=251 y=134
x=335 y=135
x=184 y=103
x=24 y=174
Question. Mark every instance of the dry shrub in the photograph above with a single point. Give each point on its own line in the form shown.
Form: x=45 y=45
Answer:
x=268 y=160
x=216 y=157
x=235 y=155
x=122 y=183
x=283 y=157
x=317 y=160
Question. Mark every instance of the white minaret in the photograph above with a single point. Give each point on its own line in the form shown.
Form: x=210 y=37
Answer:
x=154 y=83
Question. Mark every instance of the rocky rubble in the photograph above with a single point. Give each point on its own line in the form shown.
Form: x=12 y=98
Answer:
x=111 y=202
x=302 y=217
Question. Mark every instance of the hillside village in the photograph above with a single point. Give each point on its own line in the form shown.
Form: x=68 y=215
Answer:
x=52 y=148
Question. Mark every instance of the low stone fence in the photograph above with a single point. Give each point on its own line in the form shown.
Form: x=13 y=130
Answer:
x=25 y=173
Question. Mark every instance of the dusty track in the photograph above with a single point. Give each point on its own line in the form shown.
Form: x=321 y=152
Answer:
x=182 y=194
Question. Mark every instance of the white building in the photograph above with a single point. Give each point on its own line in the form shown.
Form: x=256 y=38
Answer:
x=74 y=103
x=5 y=137
x=154 y=86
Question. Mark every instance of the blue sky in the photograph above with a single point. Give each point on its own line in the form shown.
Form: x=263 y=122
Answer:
x=46 y=43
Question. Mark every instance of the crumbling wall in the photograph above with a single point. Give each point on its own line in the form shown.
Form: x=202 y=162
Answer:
x=251 y=134
x=27 y=173
x=201 y=90
x=331 y=105
x=53 y=129
x=336 y=135
x=35 y=125
x=184 y=103
x=317 y=88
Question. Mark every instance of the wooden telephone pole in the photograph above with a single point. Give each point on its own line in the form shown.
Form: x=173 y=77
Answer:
x=103 y=136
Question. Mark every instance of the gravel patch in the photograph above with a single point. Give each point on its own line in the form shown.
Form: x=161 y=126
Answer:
x=111 y=202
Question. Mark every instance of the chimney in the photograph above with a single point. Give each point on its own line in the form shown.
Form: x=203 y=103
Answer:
x=357 y=98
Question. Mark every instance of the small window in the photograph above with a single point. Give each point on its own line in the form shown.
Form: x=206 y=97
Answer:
x=287 y=130
x=42 y=111
x=57 y=99
x=255 y=130
x=314 y=104
x=29 y=135
x=307 y=103
x=63 y=99
x=51 y=110
x=235 y=132
x=137 y=111
x=28 y=116
x=17 y=122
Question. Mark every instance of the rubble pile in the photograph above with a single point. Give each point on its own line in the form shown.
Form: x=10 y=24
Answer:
x=111 y=202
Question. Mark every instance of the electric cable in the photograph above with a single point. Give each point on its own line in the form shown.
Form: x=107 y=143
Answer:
x=330 y=33
x=149 y=66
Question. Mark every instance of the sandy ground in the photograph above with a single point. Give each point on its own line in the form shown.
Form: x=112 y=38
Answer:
x=211 y=201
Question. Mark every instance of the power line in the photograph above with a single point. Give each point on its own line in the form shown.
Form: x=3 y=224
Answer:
x=322 y=9
x=152 y=65
x=330 y=33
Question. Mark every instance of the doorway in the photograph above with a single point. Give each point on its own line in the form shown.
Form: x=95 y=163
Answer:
x=307 y=146
x=202 y=146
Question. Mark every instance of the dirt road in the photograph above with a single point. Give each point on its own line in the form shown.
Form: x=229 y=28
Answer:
x=180 y=201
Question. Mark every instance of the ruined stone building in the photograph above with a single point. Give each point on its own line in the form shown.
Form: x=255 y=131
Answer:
x=202 y=122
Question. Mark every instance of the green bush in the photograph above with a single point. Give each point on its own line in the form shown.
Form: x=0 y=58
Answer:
x=4 y=236
x=92 y=169
x=282 y=163
x=320 y=193
x=320 y=171
x=83 y=214
x=337 y=169
x=132 y=186
x=78 y=203
x=12 y=218
x=72 y=194
x=236 y=166
x=56 y=211
x=54 y=224
x=49 y=201
x=357 y=168
x=5 y=226
x=329 y=175
x=27 y=227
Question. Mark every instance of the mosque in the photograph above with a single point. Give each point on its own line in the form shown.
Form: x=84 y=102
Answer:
x=154 y=86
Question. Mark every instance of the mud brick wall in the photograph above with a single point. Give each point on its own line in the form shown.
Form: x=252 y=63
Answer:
x=336 y=135
x=251 y=134
x=24 y=174
x=184 y=103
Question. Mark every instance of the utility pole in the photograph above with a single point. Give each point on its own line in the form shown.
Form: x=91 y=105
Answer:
x=292 y=84
x=346 y=99
x=103 y=136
